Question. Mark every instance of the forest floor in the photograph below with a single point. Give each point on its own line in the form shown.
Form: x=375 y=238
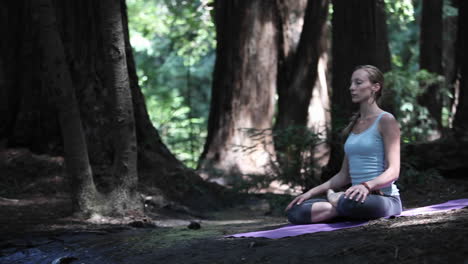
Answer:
x=36 y=228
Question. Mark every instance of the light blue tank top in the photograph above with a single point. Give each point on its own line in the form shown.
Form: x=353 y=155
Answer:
x=366 y=156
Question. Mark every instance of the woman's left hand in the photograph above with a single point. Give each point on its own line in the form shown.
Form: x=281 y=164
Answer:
x=357 y=192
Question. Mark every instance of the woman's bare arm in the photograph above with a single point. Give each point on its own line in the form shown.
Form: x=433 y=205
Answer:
x=390 y=131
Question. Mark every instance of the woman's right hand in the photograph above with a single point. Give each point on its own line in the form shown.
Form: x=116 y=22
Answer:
x=298 y=200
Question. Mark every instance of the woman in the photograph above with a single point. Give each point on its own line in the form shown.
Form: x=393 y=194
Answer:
x=371 y=162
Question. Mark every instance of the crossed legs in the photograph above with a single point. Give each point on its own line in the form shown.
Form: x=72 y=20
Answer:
x=315 y=210
x=322 y=210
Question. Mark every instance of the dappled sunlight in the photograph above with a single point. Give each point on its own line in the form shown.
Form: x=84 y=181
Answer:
x=442 y=219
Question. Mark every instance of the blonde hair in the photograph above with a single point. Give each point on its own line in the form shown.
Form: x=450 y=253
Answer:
x=375 y=76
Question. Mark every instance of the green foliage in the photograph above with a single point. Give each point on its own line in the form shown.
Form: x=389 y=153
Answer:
x=174 y=42
x=295 y=161
x=403 y=32
x=406 y=87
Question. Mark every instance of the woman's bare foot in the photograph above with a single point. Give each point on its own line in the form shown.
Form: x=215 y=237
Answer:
x=333 y=197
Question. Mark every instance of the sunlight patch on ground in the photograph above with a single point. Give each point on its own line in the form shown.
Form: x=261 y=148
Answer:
x=436 y=217
x=177 y=222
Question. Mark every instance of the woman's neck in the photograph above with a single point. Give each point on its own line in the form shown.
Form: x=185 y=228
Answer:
x=367 y=110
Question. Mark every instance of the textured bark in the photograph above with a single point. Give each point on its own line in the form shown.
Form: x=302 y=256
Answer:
x=295 y=92
x=57 y=79
x=359 y=37
x=460 y=122
x=290 y=24
x=297 y=81
x=30 y=120
x=124 y=167
x=243 y=87
x=430 y=54
x=450 y=58
x=106 y=90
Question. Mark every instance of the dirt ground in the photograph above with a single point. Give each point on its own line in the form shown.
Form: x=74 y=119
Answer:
x=37 y=229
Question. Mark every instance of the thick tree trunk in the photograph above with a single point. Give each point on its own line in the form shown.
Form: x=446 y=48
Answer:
x=296 y=92
x=449 y=56
x=359 y=37
x=26 y=103
x=107 y=93
x=460 y=122
x=291 y=22
x=124 y=167
x=297 y=80
x=243 y=87
x=57 y=79
x=430 y=55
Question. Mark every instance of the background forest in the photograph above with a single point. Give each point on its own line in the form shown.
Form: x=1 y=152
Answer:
x=158 y=97
x=175 y=50
x=204 y=118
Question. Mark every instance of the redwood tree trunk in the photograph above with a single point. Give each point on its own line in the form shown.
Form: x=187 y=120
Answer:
x=297 y=79
x=124 y=167
x=460 y=122
x=103 y=76
x=430 y=54
x=295 y=92
x=244 y=84
x=290 y=24
x=57 y=79
x=359 y=37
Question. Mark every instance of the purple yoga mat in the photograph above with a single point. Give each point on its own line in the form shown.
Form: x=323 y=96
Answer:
x=295 y=230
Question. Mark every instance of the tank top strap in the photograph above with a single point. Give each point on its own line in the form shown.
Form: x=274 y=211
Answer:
x=377 y=120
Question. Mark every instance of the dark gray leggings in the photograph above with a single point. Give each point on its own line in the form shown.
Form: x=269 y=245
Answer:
x=375 y=206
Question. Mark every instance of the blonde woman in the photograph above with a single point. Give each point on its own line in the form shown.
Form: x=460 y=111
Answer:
x=371 y=162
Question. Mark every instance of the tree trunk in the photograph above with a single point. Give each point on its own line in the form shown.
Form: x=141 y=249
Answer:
x=124 y=167
x=430 y=55
x=97 y=55
x=449 y=56
x=296 y=91
x=297 y=80
x=291 y=22
x=460 y=122
x=359 y=37
x=57 y=78
x=243 y=88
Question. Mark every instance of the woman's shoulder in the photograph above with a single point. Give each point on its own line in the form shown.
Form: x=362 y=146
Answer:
x=387 y=117
x=388 y=123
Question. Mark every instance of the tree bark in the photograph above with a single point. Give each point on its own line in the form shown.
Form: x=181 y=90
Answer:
x=297 y=80
x=290 y=24
x=460 y=122
x=296 y=91
x=430 y=55
x=124 y=167
x=109 y=103
x=58 y=83
x=359 y=37
x=244 y=84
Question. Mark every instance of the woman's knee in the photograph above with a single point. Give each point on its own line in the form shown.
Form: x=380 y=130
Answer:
x=299 y=214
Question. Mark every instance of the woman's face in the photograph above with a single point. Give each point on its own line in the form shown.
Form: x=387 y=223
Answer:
x=361 y=87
